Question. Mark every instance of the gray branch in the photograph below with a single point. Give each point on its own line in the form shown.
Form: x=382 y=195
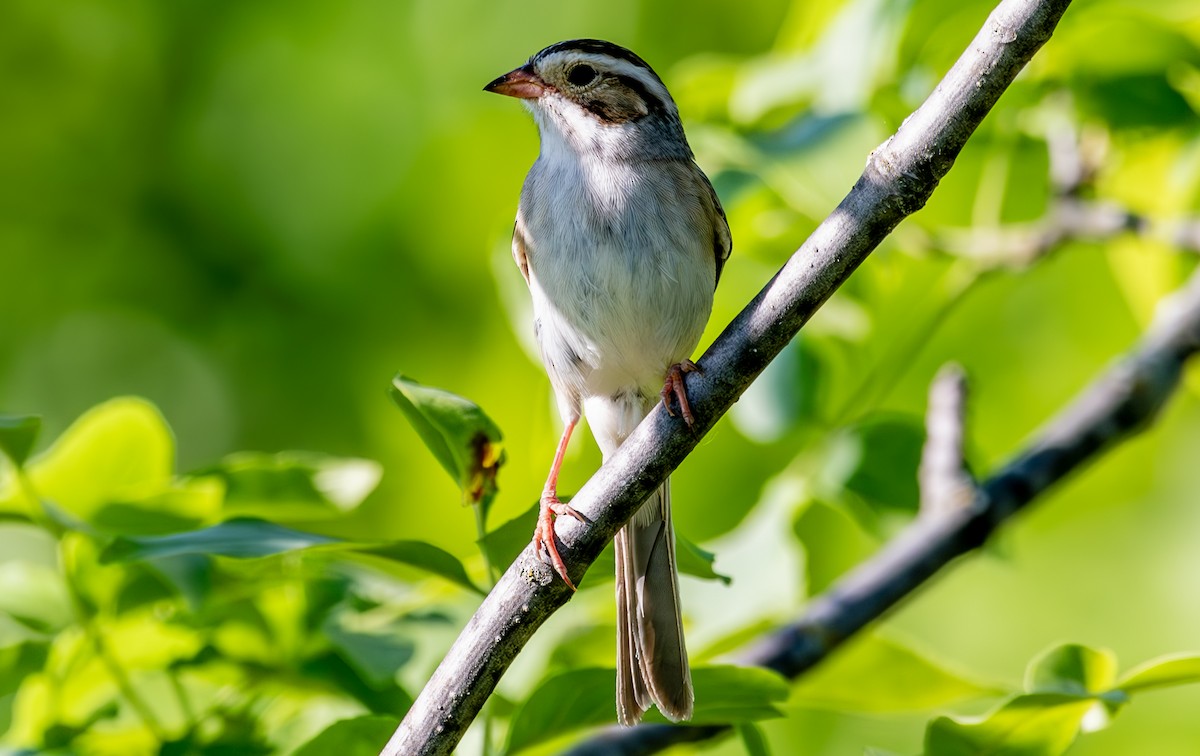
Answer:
x=1123 y=400
x=945 y=483
x=899 y=178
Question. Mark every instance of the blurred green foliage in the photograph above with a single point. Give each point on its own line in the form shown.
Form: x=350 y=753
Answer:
x=253 y=214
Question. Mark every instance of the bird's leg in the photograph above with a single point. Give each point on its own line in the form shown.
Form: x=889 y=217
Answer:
x=551 y=507
x=674 y=387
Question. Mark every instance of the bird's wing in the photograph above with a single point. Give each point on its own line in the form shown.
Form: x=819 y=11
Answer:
x=519 y=247
x=722 y=241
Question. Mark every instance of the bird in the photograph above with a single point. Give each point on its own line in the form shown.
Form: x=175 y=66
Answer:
x=621 y=239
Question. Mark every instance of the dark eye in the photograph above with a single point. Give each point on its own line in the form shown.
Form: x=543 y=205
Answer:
x=581 y=75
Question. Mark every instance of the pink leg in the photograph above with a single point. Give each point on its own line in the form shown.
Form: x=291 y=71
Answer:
x=543 y=534
x=673 y=387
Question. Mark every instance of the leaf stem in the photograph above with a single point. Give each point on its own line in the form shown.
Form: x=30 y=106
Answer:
x=86 y=620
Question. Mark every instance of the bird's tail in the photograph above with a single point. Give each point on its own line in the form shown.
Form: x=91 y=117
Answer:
x=652 y=662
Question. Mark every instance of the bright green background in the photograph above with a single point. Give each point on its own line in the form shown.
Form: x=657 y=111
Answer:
x=254 y=213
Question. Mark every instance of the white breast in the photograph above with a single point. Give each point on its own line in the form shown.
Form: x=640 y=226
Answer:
x=621 y=269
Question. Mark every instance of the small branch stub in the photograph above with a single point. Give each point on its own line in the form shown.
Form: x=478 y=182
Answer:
x=945 y=483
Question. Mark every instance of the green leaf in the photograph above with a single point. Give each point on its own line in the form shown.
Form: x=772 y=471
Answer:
x=1073 y=669
x=183 y=505
x=889 y=454
x=361 y=736
x=727 y=695
x=695 y=561
x=505 y=542
x=17 y=435
x=293 y=486
x=373 y=643
x=585 y=697
x=35 y=596
x=833 y=542
x=753 y=739
x=463 y=439
x=561 y=704
x=1035 y=724
x=245 y=538
x=424 y=556
x=118 y=451
x=1162 y=672
x=874 y=674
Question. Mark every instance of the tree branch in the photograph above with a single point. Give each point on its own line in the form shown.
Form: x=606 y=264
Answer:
x=899 y=177
x=945 y=483
x=1120 y=402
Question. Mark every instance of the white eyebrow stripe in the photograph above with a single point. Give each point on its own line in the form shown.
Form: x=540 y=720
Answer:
x=619 y=67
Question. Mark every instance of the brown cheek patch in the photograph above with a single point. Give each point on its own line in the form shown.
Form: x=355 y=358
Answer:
x=616 y=107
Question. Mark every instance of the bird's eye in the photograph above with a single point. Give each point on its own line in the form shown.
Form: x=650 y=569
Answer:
x=581 y=75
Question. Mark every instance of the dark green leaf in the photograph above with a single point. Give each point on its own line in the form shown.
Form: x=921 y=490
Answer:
x=753 y=739
x=728 y=695
x=833 y=543
x=782 y=396
x=586 y=697
x=244 y=538
x=293 y=486
x=182 y=505
x=388 y=698
x=889 y=454
x=695 y=561
x=424 y=556
x=505 y=542
x=17 y=436
x=1162 y=672
x=1037 y=724
x=19 y=660
x=1071 y=668
x=566 y=702
x=877 y=675
x=372 y=643
x=247 y=538
x=461 y=436
x=361 y=736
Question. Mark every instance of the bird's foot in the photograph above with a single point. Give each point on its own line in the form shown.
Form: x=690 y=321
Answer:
x=543 y=534
x=674 y=387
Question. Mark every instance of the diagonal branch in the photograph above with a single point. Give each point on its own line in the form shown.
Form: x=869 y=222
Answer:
x=1120 y=402
x=899 y=177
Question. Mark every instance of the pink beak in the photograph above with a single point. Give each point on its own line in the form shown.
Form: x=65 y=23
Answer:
x=522 y=83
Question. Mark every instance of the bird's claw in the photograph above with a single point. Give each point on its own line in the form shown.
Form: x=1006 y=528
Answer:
x=674 y=387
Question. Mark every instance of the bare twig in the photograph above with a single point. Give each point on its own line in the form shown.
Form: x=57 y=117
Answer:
x=1120 y=402
x=899 y=177
x=945 y=483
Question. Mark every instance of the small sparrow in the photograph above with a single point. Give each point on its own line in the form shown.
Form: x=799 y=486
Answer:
x=621 y=239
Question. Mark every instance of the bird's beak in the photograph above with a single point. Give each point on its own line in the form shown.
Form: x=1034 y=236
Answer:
x=521 y=82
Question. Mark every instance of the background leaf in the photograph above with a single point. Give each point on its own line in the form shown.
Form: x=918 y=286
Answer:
x=879 y=675
x=463 y=439
x=244 y=538
x=1162 y=672
x=361 y=736
x=1073 y=669
x=293 y=486
x=1037 y=724
x=17 y=435
x=121 y=450
x=585 y=697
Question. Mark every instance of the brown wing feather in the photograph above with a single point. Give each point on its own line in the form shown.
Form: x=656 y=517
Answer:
x=519 y=244
x=722 y=241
